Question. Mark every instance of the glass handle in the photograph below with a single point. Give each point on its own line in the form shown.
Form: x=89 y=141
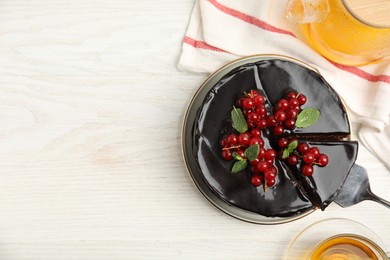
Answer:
x=307 y=11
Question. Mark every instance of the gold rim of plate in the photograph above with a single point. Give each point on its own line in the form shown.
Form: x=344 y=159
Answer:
x=186 y=142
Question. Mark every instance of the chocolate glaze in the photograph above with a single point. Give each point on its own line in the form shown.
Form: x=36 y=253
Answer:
x=278 y=77
x=292 y=194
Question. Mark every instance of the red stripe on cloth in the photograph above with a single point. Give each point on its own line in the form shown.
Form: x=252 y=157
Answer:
x=249 y=19
x=266 y=26
x=361 y=73
x=354 y=70
x=201 y=44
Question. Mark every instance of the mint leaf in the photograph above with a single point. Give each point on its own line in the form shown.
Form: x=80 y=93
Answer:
x=239 y=166
x=237 y=157
x=293 y=145
x=307 y=117
x=239 y=122
x=286 y=153
x=290 y=149
x=252 y=152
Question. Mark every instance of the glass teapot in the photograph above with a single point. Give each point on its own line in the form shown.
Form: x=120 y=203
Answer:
x=342 y=32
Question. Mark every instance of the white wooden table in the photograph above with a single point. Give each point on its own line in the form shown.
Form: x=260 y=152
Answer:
x=91 y=107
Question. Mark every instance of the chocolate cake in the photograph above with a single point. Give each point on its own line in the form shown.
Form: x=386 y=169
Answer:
x=293 y=193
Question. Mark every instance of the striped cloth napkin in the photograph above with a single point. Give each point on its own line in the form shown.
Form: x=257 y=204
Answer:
x=220 y=31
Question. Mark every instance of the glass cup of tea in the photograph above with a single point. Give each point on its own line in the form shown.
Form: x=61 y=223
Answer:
x=336 y=239
x=349 y=32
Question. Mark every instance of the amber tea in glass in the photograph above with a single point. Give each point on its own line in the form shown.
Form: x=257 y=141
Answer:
x=347 y=247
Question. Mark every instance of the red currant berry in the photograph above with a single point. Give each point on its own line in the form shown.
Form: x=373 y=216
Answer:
x=271 y=182
x=247 y=103
x=256 y=140
x=262 y=124
x=253 y=93
x=246 y=112
x=227 y=155
x=270 y=154
x=241 y=153
x=283 y=104
x=250 y=124
x=271 y=122
x=291 y=95
x=303 y=147
x=293 y=102
x=273 y=169
x=292 y=113
x=292 y=159
x=322 y=160
x=244 y=138
x=255 y=132
x=308 y=158
x=240 y=102
x=296 y=108
x=262 y=166
x=280 y=116
x=289 y=123
x=301 y=99
x=269 y=175
x=254 y=117
x=261 y=142
x=261 y=111
x=232 y=139
x=315 y=151
x=278 y=130
x=224 y=142
x=261 y=153
x=258 y=100
x=282 y=142
x=254 y=162
x=270 y=162
x=256 y=180
x=307 y=170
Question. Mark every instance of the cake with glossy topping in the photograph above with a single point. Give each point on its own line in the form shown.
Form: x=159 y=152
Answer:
x=293 y=193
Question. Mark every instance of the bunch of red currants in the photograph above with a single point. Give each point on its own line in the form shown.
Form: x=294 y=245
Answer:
x=256 y=118
x=305 y=155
